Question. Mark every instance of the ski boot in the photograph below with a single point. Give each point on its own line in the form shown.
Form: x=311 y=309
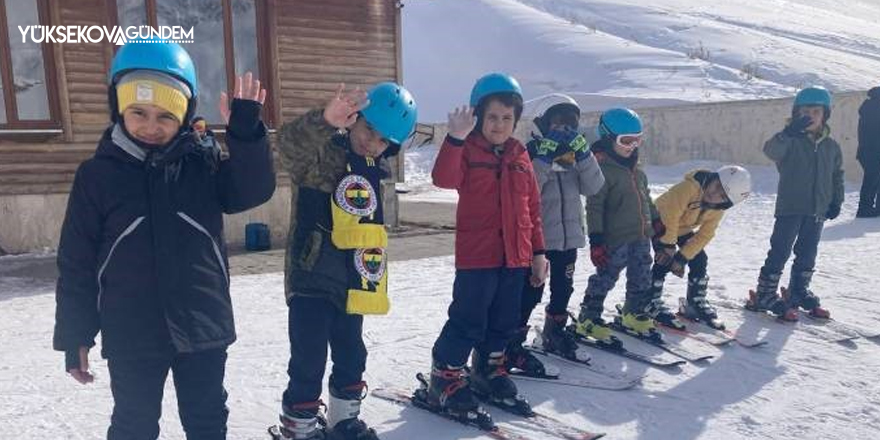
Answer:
x=658 y=310
x=556 y=339
x=301 y=421
x=447 y=393
x=697 y=307
x=800 y=295
x=518 y=358
x=595 y=328
x=342 y=415
x=765 y=299
x=640 y=325
x=491 y=382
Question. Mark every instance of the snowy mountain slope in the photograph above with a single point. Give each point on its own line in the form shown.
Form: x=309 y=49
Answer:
x=798 y=386
x=628 y=52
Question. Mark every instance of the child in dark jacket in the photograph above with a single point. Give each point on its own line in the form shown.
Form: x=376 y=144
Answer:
x=335 y=265
x=566 y=171
x=498 y=238
x=619 y=222
x=142 y=257
x=810 y=167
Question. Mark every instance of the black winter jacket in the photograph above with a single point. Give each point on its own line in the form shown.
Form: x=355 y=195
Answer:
x=142 y=256
x=869 y=128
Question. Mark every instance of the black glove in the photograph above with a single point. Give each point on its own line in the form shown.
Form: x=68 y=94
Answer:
x=833 y=212
x=244 y=119
x=798 y=126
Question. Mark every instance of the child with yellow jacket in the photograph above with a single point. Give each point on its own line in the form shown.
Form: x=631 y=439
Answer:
x=691 y=212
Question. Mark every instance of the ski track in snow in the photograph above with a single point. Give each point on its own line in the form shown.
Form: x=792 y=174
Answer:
x=798 y=386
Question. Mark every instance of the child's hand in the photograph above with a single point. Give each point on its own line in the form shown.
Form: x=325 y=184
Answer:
x=342 y=110
x=461 y=122
x=599 y=256
x=539 y=270
x=247 y=88
x=80 y=369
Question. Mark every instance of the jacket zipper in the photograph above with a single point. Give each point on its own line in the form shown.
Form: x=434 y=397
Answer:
x=127 y=231
x=632 y=176
x=204 y=231
x=562 y=214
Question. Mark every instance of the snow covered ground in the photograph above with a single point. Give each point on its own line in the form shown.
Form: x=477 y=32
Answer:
x=798 y=386
x=631 y=52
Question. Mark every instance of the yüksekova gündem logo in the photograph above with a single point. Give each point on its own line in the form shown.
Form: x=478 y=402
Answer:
x=95 y=34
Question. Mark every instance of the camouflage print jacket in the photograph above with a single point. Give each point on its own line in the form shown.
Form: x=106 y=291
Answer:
x=315 y=157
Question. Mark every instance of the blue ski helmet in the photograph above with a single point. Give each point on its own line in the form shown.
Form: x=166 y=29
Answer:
x=494 y=83
x=163 y=57
x=392 y=111
x=813 y=95
x=619 y=121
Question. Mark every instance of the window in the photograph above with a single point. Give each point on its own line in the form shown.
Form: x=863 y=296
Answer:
x=27 y=92
x=236 y=23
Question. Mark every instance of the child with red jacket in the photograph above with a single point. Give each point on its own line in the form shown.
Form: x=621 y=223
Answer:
x=498 y=238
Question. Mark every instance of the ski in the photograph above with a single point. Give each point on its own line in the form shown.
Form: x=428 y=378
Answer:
x=843 y=327
x=826 y=334
x=585 y=364
x=706 y=338
x=404 y=398
x=718 y=337
x=544 y=424
x=672 y=349
x=606 y=385
x=623 y=352
x=730 y=336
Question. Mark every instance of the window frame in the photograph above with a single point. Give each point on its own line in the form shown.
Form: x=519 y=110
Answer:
x=264 y=49
x=13 y=123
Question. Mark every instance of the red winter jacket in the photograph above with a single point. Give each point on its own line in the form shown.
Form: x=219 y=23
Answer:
x=498 y=222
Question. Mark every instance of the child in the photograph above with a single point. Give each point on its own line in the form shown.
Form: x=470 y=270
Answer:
x=142 y=256
x=566 y=170
x=810 y=167
x=691 y=212
x=335 y=265
x=619 y=222
x=498 y=237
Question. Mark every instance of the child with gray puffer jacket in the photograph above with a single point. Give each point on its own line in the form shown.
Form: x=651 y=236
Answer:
x=566 y=171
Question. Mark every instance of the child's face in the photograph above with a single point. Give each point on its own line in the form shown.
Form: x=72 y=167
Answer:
x=816 y=114
x=150 y=124
x=625 y=150
x=498 y=122
x=366 y=141
x=714 y=193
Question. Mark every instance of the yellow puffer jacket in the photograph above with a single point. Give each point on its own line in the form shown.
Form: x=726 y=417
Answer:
x=681 y=213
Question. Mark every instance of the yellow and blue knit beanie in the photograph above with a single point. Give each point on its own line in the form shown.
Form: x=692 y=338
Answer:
x=154 y=88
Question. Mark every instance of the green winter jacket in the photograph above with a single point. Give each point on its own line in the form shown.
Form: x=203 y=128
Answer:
x=622 y=211
x=810 y=173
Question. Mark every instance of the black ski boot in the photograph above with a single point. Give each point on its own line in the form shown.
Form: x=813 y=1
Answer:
x=698 y=307
x=342 y=415
x=556 y=339
x=302 y=421
x=765 y=298
x=657 y=309
x=800 y=295
x=491 y=382
x=518 y=358
x=447 y=392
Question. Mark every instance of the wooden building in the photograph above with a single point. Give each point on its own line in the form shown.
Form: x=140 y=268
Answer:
x=53 y=96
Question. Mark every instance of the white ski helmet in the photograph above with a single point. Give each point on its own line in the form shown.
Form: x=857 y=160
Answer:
x=736 y=181
x=539 y=108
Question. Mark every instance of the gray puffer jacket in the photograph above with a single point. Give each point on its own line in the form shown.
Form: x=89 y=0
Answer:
x=562 y=209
